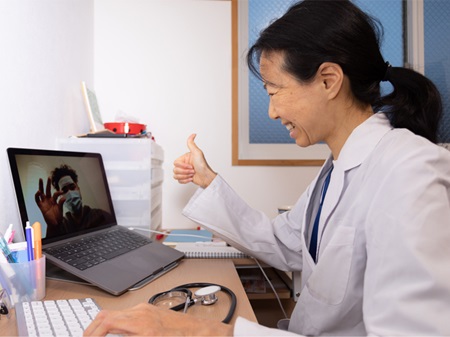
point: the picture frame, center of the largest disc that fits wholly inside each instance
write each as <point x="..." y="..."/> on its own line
<point x="92" y="108"/>
<point x="245" y="152"/>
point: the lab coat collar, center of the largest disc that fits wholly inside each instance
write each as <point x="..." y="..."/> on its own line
<point x="359" y="145"/>
<point x="362" y="141"/>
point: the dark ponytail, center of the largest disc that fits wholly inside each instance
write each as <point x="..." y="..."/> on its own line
<point x="414" y="104"/>
<point x="313" y="32"/>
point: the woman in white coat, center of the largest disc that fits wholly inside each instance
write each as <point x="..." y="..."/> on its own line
<point x="371" y="234"/>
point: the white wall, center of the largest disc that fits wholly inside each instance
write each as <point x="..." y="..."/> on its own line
<point x="167" y="62"/>
<point x="46" y="48"/>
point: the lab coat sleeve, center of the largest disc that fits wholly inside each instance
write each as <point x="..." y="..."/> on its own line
<point x="221" y="210"/>
<point x="244" y="327"/>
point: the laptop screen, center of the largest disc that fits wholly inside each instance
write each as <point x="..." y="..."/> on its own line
<point x="67" y="192"/>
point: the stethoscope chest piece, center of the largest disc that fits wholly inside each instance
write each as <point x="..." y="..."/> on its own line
<point x="172" y="299"/>
<point x="181" y="298"/>
<point x="208" y="294"/>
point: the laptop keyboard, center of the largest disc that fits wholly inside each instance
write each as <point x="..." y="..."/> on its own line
<point x="55" y="318"/>
<point x="90" y="251"/>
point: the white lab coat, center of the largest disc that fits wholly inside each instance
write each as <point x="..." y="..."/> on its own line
<point x="384" y="239"/>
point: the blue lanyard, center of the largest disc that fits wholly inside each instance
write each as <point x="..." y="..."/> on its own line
<point x="313" y="243"/>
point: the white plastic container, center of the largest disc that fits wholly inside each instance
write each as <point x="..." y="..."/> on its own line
<point x="135" y="176"/>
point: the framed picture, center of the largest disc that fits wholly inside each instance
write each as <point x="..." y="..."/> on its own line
<point x="92" y="108"/>
<point x="258" y="140"/>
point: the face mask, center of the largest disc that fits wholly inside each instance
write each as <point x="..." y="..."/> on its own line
<point x="73" y="201"/>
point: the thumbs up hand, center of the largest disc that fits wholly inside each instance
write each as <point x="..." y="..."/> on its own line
<point x="192" y="166"/>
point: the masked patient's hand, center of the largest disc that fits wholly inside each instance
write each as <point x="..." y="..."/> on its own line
<point x="193" y="167"/>
<point x="148" y="320"/>
<point x="50" y="206"/>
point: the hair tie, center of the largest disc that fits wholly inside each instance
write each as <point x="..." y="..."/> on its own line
<point x="386" y="72"/>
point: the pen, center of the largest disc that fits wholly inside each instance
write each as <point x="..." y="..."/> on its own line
<point x="5" y="250"/>
<point x="29" y="237"/>
<point x="37" y="240"/>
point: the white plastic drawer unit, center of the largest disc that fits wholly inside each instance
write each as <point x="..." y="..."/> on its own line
<point x="135" y="176"/>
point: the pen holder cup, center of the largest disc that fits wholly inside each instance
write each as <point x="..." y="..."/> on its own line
<point x="24" y="281"/>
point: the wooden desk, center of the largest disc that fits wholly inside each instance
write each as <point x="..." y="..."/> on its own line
<point x="220" y="271"/>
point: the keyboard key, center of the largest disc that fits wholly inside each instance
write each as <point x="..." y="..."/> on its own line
<point x="90" y="251"/>
<point x="55" y="318"/>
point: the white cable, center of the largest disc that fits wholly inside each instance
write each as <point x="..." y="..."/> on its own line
<point x="199" y="236"/>
<point x="166" y="233"/>
<point x="273" y="288"/>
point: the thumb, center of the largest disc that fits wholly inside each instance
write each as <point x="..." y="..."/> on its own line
<point x="191" y="144"/>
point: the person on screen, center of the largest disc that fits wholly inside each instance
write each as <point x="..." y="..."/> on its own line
<point x="68" y="195"/>
<point x="371" y="233"/>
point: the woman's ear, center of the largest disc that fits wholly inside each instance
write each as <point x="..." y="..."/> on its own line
<point x="332" y="77"/>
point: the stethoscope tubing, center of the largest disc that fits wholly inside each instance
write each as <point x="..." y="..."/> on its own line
<point x="184" y="288"/>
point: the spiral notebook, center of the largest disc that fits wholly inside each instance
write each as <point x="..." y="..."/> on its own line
<point x="195" y="250"/>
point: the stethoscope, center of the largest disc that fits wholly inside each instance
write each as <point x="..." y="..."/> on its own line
<point x="181" y="298"/>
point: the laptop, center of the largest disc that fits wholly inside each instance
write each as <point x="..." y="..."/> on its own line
<point x="68" y="193"/>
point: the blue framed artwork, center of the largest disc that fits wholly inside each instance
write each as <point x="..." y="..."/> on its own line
<point x="258" y="140"/>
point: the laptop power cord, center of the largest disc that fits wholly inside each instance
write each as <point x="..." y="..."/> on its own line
<point x="199" y="236"/>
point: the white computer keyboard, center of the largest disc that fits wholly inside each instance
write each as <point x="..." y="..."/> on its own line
<point x="55" y="318"/>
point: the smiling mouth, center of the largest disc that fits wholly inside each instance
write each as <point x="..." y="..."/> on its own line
<point x="289" y="127"/>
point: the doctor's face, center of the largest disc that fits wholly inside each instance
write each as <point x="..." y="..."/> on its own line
<point x="299" y="106"/>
